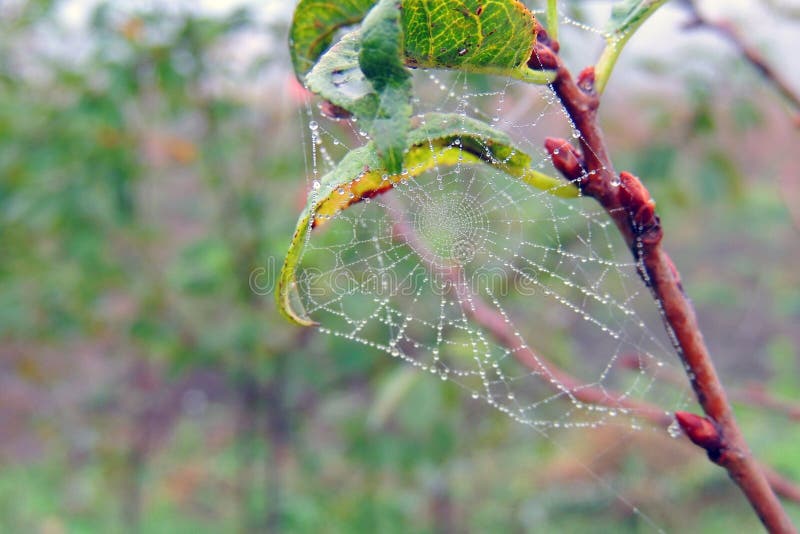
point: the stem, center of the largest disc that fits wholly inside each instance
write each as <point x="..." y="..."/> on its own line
<point x="629" y="204"/>
<point x="750" y="53"/>
<point x="617" y="40"/>
<point x="501" y="329"/>
<point x="608" y="59"/>
<point x="551" y="184"/>
<point x="552" y="19"/>
<point x="753" y="395"/>
<point x="756" y="395"/>
<point x="537" y="77"/>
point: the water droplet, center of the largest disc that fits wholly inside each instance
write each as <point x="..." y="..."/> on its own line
<point x="338" y="77"/>
<point x="674" y="429"/>
<point x="316" y="185"/>
<point x="614" y="181"/>
<point x="313" y="126"/>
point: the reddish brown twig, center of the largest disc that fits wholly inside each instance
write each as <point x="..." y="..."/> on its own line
<point x="628" y="202"/>
<point x="500" y="329"/>
<point x="729" y="32"/>
<point x="782" y="485"/>
<point x="753" y="394"/>
<point x="498" y="326"/>
<point x="756" y="395"/>
<point x="704" y="433"/>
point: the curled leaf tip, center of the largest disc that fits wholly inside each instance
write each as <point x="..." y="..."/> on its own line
<point x="438" y="140"/>
<point x="288" y="300"/>
<point x="314" y="25"/>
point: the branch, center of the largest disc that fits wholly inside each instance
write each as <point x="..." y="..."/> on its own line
<point x="729" y="32"/>
<point x="707" y="435"/>
<point x="782" y="486"/>
<point x="498" y="326"/>
<point x="754" y="395"/>
<point x="629" y="204"/>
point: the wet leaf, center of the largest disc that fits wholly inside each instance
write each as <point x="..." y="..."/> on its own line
<point x="437" y="140"/>
<point x="488" y="36"/>
<point x="337" y="77"/>
<point x="381" y="47"/>
<point x="314" y="25"/>
<point x="381" y="63"/>
<point x="627" y="15"/>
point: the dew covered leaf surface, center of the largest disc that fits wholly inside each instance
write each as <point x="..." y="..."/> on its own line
<point x="381" y="63"/>
<point x="626" y="15"/>
<point x="438" y="140"/>
<point x="314" y="25"/>
<point x="475" y="35"/>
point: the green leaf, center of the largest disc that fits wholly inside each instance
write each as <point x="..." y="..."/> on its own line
<point x="364" y="74"/>
<point x="628" y="15"/>
<point x="314" y="25"/>
<point x="494" y="37"/>
<point x="485" y="36"/>
<point x="438" y="140"/>
<point x="381" y="63"/>
<point x="381" y="46"/>
<point x="337" y="77"/>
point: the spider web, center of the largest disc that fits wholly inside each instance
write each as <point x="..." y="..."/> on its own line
<point x="523" y="298"/>
<point x="409" y="271"/>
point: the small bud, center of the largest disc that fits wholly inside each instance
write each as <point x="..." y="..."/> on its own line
<point x="701" y="430"/>
<point x="636" y="200"/>
<point x="566" y="158"/>
<point x="632" y="194"/>
<point x="586" y="79"/>
<point x="543" y="58"/>
<point x="543" y="37"/>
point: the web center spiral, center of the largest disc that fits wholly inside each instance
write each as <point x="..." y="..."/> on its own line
<point x="452" y="227"/>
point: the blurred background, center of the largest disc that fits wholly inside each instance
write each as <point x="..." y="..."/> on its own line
<point x="152" y="167"/>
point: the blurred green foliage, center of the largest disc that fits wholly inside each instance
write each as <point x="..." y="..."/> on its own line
<point x="144" y="385"/>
